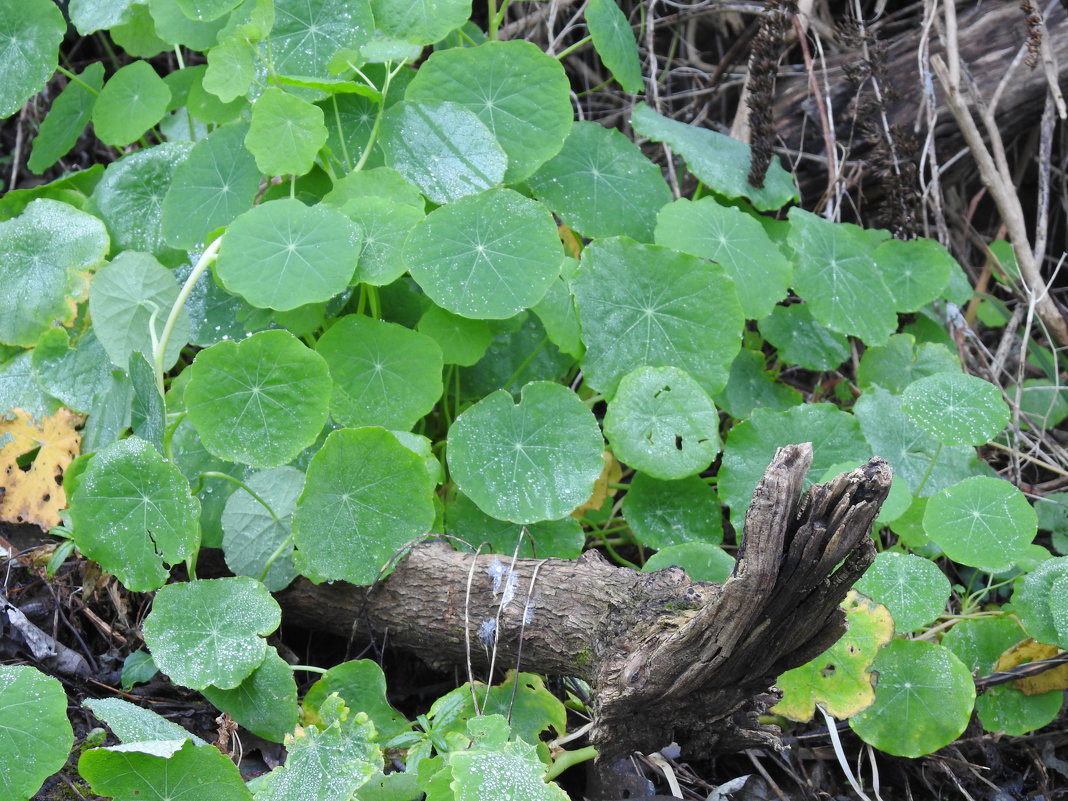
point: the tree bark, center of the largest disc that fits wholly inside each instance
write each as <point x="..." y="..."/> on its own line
<point x="668" y="658"/>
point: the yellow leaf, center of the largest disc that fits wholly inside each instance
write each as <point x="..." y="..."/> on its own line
<point x="610" y="474"/>
<point x="1031" y="651"/>
<point x="33" y="492"/>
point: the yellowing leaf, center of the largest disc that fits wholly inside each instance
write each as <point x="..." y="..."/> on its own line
<point x="1031" y="651"/>
<point x="611" y="474"/>
<point x="33" y="493"/>
<point x="840" y="678"/>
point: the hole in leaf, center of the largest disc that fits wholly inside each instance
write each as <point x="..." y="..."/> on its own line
<point x="678" y="442"/>
<point x="25" y="461"/>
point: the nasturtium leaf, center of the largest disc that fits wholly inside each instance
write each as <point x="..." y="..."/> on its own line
<point x="463" y="341"/>
<point x="217" y="182"/>
<point x="365" y="495"/>
<point x="361" y="684"/>
<point x="508" y="770"/>
<point x="29" y="49"/>
<point x="488" y="256"/>
<point x="132" y="512"/>
<point x="207" y="107"/>
<point x="717" y="160"/>
<point x="230" y="70"/>
<point x="36" y="736"/>
<point x="259" y="402"/>
<point x="286" y="133"/>
<point x="662" y="423"/>
<point x="420" y="21"/>
<point x="601" y="184"/>
<point x="423" y="448"/>
<point x="1043" y="403"/>
<point x="73" y="375"/>
<point x="1032" y="601"/>
<point x="751" y="386"/>
<point x="519" y="353"/>
<point x="915" y="272"/>
<point x="90" y="16"/>
<point x="383" y="374"/>
<point x="211" y="631"/>
<point x="520" y="92"/>
<point x="48" y="251"/>
<point x="70" y="113"/>
<point x="702" y="561"/>
<point x="751" y="444"/>
<point x="132" y="723"/>
<point x="901" y="361"/>
<point x="642" y="305"/>
<point x="162" y="770"/>
<point x="1052" y="513"/>
<point x="526" y="462"/>
<point x="800" y="339"/>
<point x="385" y="225"/>
<point x="956" y="408"/>
<point x="839" y="679"/>
<point x="306" y="35"/>
<point x="129" y="300"/>
<point x="558" y="315"/>
<point x="979" y="643"/>
<point x="72" y="188"/>
<point x="147" y="413"/>
<point x="20" y="387"/>
<point x="916" y="457"/>
<point x="560" y="538"/>
<point x="615" y="44"/>
<point x="252" y="535"/>
<point x="923" y="699"/>
<point x="666" y="513"/>
<point x="736" y="240"/>
<point x="441" y="147"/>
<point x="133" y="100"/>
<point x="982" y="522"/>
<point x="837" y="276"/>
<point x="175" y="28"/>
<point x="283" y="254"/>
<point x="137" y="34"/>
<point x="380" y="182"/>
<point x="206" y="9"/>
<point x="265" y="702"/>
<point x="129" y="198"/>
<point x="911" y="587"/>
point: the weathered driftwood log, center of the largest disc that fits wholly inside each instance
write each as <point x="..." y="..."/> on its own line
<point x="668" y="658"/>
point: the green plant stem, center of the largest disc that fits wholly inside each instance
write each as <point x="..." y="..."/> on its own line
<point x="930" y="467"/>
<point x="244" y="486"/>
<point x="75" y="79"/>
<point x="203" y="263"/>
<point x="373" y="136"/>
<point x="603" y="540"/>
<point x="526" y="361"/>
<point x="491" y="15"/>
<point x="178" y="56"/>
<point x="569" y="759"/>
<point x="345" y="160"/>
<point x="308" y="669"/>
<point x="277" y="552"/>
<point x="567" y="51"/>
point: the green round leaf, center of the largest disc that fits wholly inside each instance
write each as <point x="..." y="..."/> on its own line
<point x="911" y="587"/>
<point x="70" y="113"/>
<point x="206" y="9"/>
<point x="211" y="631"/>
<point x="535" y="460"/>
<point x="923" y="699"/>
<point x="132" y="512"/>
<point x="252" y="535"/>
<point x="217" y="182"/>
<point x="955" y="408"/>
<point x="518" y="354"/>
<point x="662" y="423"/>
<point x="601" y="184"/>
<point x="463" y="341"/>
<point x="361" y="684"/>
<point x="151" y="770"/>
<point x="129" y="300"/>
<point x="265" y="703"/>
<point x="132" y="723"/>
<point x="519" y="92"/>
<point x="48" y="250"/>
<point x="443" y="148"/>
<point x="308" y="33"/>
<point x="1035" y="604"/>
<point x="364" y="497"/>
<point x="133" y="100"/>
<point x="175" y="28"/>
<point x="915" y="271"/>
<point x="702" y="561"/>
<point x="419" y="21"/>
<point x="666" y="513"/>
<point x="901" y="361"/>
<point x="488" y="256"/>
<point x="642" y="305"/>
<point x="283" y="254"/>
<point x="385" y="225"/>
<point x="384" y="374"/>
<point x="259" y="402"/>
<point x="982" y="521"/>
<point x="129" y="198"/>
<point x="29" y="48"/>
<point x="286" y="133"/>
<point x="36" y="736"/>
<point x="801" y="340"/>
<point x="736" y="240"/>
<point x="614" y="40"/>
<point x="560" y="538"/>
<point x="751" y="386"/>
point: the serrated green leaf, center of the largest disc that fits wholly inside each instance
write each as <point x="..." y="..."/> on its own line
<point x="286" y="133"/>
<point x="265" y="702"/>
<point x="133" y="100"/>
<point x="956" y="408"/>
<point x="666" y="513"/>
<point x="36" y="737"/>
<point x="261" y="401"/>
<point x="511" y="770"/>
<point x="283" y="254"/>
<point x="70" y="113"/>
<point x="364" y="497"/>
<point x="602" y="185"/>
<point x="911" y="587"/>
<point x="643" y="305"/>
<point x="48" y="250"/>
<point x="29" y="49"/>
<point x="519" y="92"/>
<point x="615" y="44"/>
<point x="441" y="147"/>
<point x="132" y="512"/>
<point x="252" y="535"/>
<point x="361" y="684"/>
<point x="526" y="462"/>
